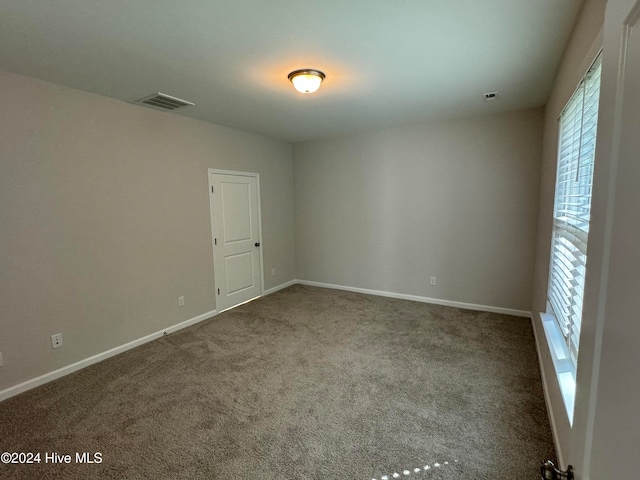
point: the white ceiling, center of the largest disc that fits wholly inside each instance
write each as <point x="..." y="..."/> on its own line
<point x="388" y="62"/>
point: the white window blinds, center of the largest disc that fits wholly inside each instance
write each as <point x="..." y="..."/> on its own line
<point x="572" y="206"/>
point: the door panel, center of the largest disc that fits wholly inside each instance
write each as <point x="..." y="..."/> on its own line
<point x="235" y="221"/>
<point x="239" y="270"/>
<point x="236" y="211"/>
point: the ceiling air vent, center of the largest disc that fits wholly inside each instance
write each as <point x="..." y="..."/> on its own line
<point x="490" y="97"/>
<point x="161" y="101"/>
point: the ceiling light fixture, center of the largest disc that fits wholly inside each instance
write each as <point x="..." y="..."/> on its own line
<point x="306" y="80"/>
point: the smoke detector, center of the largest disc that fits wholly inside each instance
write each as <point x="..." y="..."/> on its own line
<point x="162" y="101"/>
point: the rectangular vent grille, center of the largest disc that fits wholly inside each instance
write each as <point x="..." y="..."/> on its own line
<point x="490" y="97"/>
<point x="165" y="102"/>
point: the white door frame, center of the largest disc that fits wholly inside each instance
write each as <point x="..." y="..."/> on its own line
<point x="602" y="404"/>
<point x="214" y="234"/>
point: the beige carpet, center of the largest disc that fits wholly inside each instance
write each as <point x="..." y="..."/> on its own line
<point x="306" y="383"/>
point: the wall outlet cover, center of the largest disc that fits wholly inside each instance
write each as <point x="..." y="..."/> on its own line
<point x="56" y="340"/>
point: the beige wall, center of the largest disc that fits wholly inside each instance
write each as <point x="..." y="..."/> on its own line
<point x="455" y="199"/>
<point x="580" y="53"/>
<point x="105" y="220"/>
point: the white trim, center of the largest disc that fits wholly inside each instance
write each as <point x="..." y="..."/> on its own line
<point x="217" y="171"/>
<point x="279" y="287"/>
<point x="560" y="356"/>
<point x="416" y="298"/>
<point x="260" y="233"/>
<point x="613" y="15"/>
<point x="61" y="372"/>
<point x="74" y="367"/>
<point x="547" y="397"/>
<point x="48" y="377"/>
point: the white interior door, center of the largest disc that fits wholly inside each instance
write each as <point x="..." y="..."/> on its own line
<point x="235" y="225"/>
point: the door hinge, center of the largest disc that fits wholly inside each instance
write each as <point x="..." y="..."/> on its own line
<point x="218" y="291"/>
<point x="215" y="241"/>
<point x="211" y="189"/>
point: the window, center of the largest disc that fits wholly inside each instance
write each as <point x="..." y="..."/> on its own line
<point x="572" y="207"/>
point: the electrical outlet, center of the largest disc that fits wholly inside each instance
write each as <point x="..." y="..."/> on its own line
<point x="56" y="340"/>
<point x="181" y="301"/>
<point x="433" y="280"/>
<point x="273" y="272"/>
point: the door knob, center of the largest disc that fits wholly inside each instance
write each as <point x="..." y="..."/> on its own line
<point x="257" y="244"/>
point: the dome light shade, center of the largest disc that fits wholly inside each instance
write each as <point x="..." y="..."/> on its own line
<point x="307" y="80"/>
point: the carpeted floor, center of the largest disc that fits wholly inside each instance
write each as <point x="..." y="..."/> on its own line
<point x="306" y="383"/>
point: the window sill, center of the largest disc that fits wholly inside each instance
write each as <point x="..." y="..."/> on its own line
<point x="565" y="370"/>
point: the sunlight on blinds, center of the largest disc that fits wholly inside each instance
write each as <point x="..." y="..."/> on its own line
<point x="572" y="207"/>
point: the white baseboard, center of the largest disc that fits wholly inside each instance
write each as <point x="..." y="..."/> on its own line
<point x="279" y="287"/>
<point x="415" y="298"/>
<point x="61" y="372"/>
<point x="547" y="398"/>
